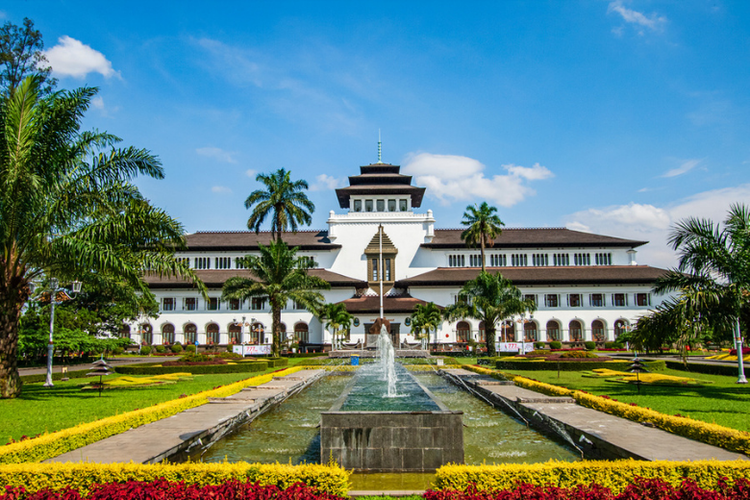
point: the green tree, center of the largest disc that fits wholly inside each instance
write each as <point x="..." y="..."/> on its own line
<point x="68" y="208"/>
<point x="280" y="275"/>
<point x="337" y="319"/>
<point x="483" y="227"/>
<point x="489" y="298"/>
<point x="283" y="199"/>
<point x="715" y="260"/>
<point x="21" y="56"/>
<point x="425" y="318"/>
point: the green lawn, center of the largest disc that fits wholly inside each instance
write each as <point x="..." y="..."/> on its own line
<point x="40" y="409"/>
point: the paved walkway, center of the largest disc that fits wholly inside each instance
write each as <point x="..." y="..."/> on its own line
<point x="594" y="431"/>
<point x="198" y="426"/>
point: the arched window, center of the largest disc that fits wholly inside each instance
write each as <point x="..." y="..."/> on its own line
<point x="576" y="331"/>
<point x="553" y="331"/>
<point x="620" y="327"/>
<point x="301" y="332"/>
<point x="212" y="333"/>
<point x="529" y="332"/>
<point x="167" y="333"/>
<point x="463" y="330"/>
<point x="235" y="332"/>
<point x="125" y="331"/>
<point x="482" y="332"/>
<point x="191" y="333"/>
<point x="147" y="334"/>
<point x="258" y="331"/>
<point x="508" y="331"/>
<point x="597" y="331"/>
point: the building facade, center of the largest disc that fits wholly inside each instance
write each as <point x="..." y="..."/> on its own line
<point x="586" y="286"/>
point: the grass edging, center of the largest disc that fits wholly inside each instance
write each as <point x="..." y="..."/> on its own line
<point x="713" y="434"/>
<point x="57" y="443"/>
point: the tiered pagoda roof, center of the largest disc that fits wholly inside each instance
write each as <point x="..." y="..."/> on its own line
<point x="380" y="179"/>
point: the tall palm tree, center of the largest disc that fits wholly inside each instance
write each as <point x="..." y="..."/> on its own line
<point x="68" y="208"/>
<point x="425" y="318"/>
<point x="489" y="298"/>
<point x="337" y="318"/>
<point x="715" y="259"/>
<point x="284" y="200"/>
<point x="483" y="227"/>
<point x="281" y="276"/>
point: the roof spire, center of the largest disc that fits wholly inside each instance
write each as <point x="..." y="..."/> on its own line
<point x="380" y="149"/>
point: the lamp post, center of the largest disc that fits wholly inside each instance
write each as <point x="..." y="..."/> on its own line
<point x="55" y="287"/>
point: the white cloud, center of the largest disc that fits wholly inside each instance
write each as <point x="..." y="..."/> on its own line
<point x="654" y="22"/>
<point x="325" y="182"/>
<point x="98" y="102"/>
<point x="653" y="224"/>
<point x="682" y="169"/>
<point x="452" y="178"/>
<point x="220" y="189"/>
<point x="251" y="173"/>
<point x="217" y="154"/>
<point x="73" y="58"/>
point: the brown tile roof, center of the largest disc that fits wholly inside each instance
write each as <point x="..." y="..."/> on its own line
<point x="534" y="238"/>
<point x="249" y="240"/>
<point x="371" y="304"/>
<point x="457" y="276"/>
<point x="215" y="278"/>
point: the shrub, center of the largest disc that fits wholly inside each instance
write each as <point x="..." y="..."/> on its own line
<point x="539" y="345"/>
<point x="146" y="350"/>
<point x="228" y="355"/>
<point x="579" y="354"/>
<point x="555" y="345"/>
<point x="590" y="346"/>
<point x="160" y="349"/>
<point x="117" y="351"/>
<point x="191" y="348"/>
<point x="176" y="348"/>
<point x="610" y="345"/>
<point x="194" y="358"/>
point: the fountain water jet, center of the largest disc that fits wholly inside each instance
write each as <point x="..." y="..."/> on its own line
<point x="387" y="361"/>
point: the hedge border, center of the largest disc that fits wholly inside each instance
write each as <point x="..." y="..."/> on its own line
<point x="57" y="443"/>
<point x="615" y="475"/>
<point x="81" y="476"/>
<point x="708" y="369"/>
<point x="242" y="367"/>
<point x="567" y="366"/>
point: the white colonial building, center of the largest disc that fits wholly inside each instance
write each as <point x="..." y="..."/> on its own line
<point x="586" y="286"/>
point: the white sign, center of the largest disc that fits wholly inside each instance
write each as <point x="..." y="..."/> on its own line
<point x="522" y="347"/>
<point x="252" y="350"/>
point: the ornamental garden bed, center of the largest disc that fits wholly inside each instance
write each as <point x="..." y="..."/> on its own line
<point x="571" y="364"/>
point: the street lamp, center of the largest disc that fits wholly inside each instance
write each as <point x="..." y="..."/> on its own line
<point x="55" y="286"/>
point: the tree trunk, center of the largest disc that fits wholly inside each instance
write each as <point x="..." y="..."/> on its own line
<point x="275" y="325"/>
<point x="490" y="332"/>
<point x="482" y="246"/>
<point x="10" y="315"/>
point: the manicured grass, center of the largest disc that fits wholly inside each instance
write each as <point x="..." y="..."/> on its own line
<point x="723" y="402"/>
<point x="40" y="409"/>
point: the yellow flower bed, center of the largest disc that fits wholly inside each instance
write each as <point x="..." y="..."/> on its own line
<point x="81" y="476"/>
<point x="646" y="378"/>
<point x="615" y="475"/>
<point x="728" y="357"/>
<point x="129" y="381"/>
<point x="57" y="443"/>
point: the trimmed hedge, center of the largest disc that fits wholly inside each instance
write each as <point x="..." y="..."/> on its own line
<point x="242" y="367"/>
<point x="615" y="475"/>
<point x="275" y="362"/>
<point x="82" y="476"/>
<point x="709" y="369"/>
<point x="57" y="443"/>
<point x="577" y="365"/>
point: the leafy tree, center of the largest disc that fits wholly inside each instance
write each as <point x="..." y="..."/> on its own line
<point x="489" y="298"/>
<point x="281" y="276"/>
<point x="21" y="56"/>
<point x="68" y="208"/>
<point x="337" y="318"/>
<point x="483" y="227"/>
<point x="283" y="200"/>
<point x="426" y="317"/>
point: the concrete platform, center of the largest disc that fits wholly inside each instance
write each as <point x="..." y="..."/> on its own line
<point x="198" y="426"/>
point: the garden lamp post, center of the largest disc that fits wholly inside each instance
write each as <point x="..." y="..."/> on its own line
<point x="55" y="288"/>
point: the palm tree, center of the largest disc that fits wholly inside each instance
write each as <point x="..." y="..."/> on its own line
<point x="483" y="226"/>
<point x="489" y="298"/>
<point x="68" y="208"/>
<point x="281" y="276"/>
<point x="337" y="318"/>
<point x="715" y="259"/>
<point x="282" y="198"/>
<point x="426" y="317"/>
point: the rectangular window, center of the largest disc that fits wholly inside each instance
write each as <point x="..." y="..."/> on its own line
<point x="475" y="260"/>
<point x="456" y="261"/>
<point x="387" y="263"/>
<point x="191" y="304"/>
<point x="498" y="261"/>
<point x="540" y="259"/>
<point x="391" y="205"/>
<point x="582" y="259"/>
<point x="551" y="300"/>
<point x="603" y="259"/>
<point x="596" y="300"/>
<point x="374" y="269"/>
<point x="643" y="299"/>
<point x="203" y="263"/>
<point x="357" y="205"/>
<point x="381" y="205"/>
<point x="368" y="205"/>
<point x="574" y="300"/>
<point x="530" y="297"/>
<point x="167" y="304"/>
<point x="561" y="259"/>
<point x="258" y="303"/>
<point x="519" y="260"/>
<point x="223" y="262"/>
<point x="619" y="299"/>
<point x="402" y="205"/>
<point x="212" y="304"/>
<point x="234" y="304"/>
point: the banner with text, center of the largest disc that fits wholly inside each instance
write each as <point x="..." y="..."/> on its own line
<point x="252" y="350"/>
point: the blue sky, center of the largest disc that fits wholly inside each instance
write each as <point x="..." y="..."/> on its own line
<point x="617" y="117"/>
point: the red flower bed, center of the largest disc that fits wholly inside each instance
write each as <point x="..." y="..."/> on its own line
<point x="165" y="490"/>
<point x="642" y="489"/>
<point x="745" y="351"/>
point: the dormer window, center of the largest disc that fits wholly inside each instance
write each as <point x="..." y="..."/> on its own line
<point x="391" y="205"/>
<point x="357" y="205"/>
<point x="402" y="205"/>
<point x="368" y="205"/>
<point x="381" y="205"/>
